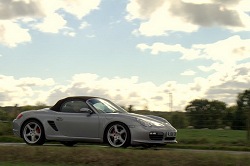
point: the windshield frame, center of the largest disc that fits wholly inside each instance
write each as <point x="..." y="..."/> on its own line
<point x="107" y="106"/>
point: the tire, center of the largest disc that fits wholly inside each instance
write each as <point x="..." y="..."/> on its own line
<point x="68" y="143"/>
<point x="33" y="133"/>
<point x="118" y="135"/>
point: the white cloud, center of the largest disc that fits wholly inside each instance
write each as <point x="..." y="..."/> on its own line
<point x="52" y="23"/>
<point x="23" y="91"/>
<point x="68" y="31"/>
<point x="157" y="48"/>
<point x="188" y="73"/>
<point x="187" y="15"/>
<point x="198" y="1"/>
<point x="223" y="86"/>
<point x="227" y="51"/>
<point x="72" y="34"/>
<point x="159" y="15"/>
<point x="14" y="9"/>
<point x="84" y="25"/>
<point x="232" y="49"/>
<point x="40" y="15"/>
<point x="124" y="91"/>
<point x="11" y="34"/>
<point x="226" y="84"/>
<point x="244" y="5"/>
<point x="214" y="67"/>
<point x="80" y="8"/>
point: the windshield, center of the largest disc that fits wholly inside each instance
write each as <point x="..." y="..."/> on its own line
<point x="105" y="106"/>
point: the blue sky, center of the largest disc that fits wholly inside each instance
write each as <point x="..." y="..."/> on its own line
<point x="133" y="52"/>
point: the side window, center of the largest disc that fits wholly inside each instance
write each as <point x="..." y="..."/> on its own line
<point x="73" y="106"/>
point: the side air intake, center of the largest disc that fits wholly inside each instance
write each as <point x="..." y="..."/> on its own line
<point x="53" y="125"/>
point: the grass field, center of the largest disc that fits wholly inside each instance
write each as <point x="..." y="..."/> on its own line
<point x="206" y="136"/>
<point x="93" y="155"/>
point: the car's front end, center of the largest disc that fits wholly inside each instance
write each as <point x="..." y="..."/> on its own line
<point x="151" y="131"/>
<point x="146" y="129"/>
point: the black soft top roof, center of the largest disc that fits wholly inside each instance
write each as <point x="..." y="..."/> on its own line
<point x="57" y="106"/>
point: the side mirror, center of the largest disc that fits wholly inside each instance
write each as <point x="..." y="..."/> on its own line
<point x="86" y="110"/>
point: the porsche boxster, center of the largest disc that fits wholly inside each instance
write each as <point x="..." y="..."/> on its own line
<point x="92" y="119"/>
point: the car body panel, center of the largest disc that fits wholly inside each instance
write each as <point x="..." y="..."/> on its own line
<point x="77" y="124"/>
<point x="90" y="127"/>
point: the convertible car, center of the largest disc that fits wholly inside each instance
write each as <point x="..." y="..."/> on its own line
<point x="92" y="119"/>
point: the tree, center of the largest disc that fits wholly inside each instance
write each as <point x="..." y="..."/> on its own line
<point x="130" y="108"/>
<point x="228" y="116"/>
<point x="240" y="116"/>
<point x="179" y="120"/>
<point x="206" y="114"/>
<point x="216" y="111"/>
<point x="243" y="112"/>
<point x="197" y="112"/>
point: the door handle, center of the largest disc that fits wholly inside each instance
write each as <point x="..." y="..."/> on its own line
<point x="59" y="119"/>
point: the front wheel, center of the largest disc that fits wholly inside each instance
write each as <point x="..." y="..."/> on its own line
<point x="33" y="133"/>
<point x="118" y="135"/>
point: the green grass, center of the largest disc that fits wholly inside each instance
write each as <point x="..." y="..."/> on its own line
<point x="217" y="137"/>
<point x="93" y="155"/>
<point x="10" y="138"/>
<point x="211" y="139"/>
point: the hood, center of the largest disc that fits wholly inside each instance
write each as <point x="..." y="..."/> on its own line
<point x="156" y="121"/>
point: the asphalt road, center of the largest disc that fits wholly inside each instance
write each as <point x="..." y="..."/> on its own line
<point x="169" y="149"/>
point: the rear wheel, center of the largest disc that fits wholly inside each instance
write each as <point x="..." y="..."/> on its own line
<point x="118" y="135"/>
<point x="33" y="133"/>
<point x="68" y="143"/>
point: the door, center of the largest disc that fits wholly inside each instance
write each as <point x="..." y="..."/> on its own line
<point x="73" y="122"/>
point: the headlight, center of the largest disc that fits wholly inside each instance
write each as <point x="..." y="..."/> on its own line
<point x="145" y="123"/>
<point x="168" y="123"/>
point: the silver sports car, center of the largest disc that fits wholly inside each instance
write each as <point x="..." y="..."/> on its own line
<point x="92" y="119"/>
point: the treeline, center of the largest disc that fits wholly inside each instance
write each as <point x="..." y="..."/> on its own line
<point x="203" y="113"/>
<point x="211" y="114"/>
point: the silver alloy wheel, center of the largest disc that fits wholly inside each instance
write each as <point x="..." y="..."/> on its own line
<point x="32" y="132"/>
<point x="117" y="135"/>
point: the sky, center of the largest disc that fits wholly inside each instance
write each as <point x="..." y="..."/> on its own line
<point x="144" y="53"/>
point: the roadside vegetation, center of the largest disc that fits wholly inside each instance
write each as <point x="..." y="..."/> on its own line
<point x="55" y="155"/>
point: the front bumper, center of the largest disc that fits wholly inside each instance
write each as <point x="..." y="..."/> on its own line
<point x="152" y="135"/>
